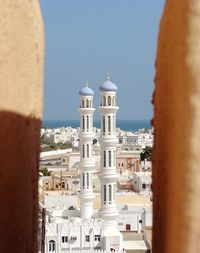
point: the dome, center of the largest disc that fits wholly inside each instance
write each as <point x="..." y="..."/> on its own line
<point x="86" y="91"/>
<point x="108" y="86"/>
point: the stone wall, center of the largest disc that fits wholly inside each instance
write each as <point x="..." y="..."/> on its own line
<point x="21" y="80"/>
<point x="176" y="178"/>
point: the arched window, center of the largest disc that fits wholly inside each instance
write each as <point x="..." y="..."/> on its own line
<point x="83" y="123"/>
<point x="110" y="193"/>
<point x="87" y="122"/>
<point x="104" y="195"/>
<point x="83" y="180"/>
<point x="52" y="246"/>
<point x="88" y="151"/>
<point x="104" y="125"/>
<point x="109" y="100"/>
<point x="83" y="103"/>
<point x="104" y="158"/>
<point x="109" y="124"/>
<point x="83" y="151"/>
<point x="109" y="158"/>
<point x="104" y="101"/>
<point x="87" y="103"/>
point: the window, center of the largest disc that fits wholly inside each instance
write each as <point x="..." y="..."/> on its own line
<point x="104" y="101"/>
<point x="97" y="238"/>
<point x="109" y="158"/>
<point x="109" y="124"/>
<point x="88" y="151"/>
<point x="83" y="123"/>
<point x="64" y="239"/>
<point x="104" y="126"/>
<point x="63" y="185"/>
<point x="83" y="151"/>
<point x="87" y="179"/>
<point x="87" y="238"/>
<point x="143" y="186"/>
<point x="83" y="103"/>
<point x="87" y="122"/>
<point x="104" y="158"/>
<point x="110" y="193"/>
<point x="128" y="227"/>
<point x="109" y="100"/>
<point x="52" y="246"/>
<point x="104" y="193"/>
<point x="87" y="103"/>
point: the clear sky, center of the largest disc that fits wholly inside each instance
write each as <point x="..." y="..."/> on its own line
<point x="86" y="39"/>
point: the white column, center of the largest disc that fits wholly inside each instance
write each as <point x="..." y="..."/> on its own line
<point x="108" y="176"/>
<point x="86" y="160"/>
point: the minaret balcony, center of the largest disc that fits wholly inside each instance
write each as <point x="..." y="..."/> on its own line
<point x="108" y="176"/>
<point x="108" y="109"/>
<point x="86" y="110"/>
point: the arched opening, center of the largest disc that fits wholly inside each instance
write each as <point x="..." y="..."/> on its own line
<point x="52" y="246"/>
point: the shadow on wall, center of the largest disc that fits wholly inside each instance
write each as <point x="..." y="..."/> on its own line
<point x="19" y="159"/>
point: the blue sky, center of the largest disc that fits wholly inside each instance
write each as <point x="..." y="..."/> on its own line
<point x="86" y="39"/>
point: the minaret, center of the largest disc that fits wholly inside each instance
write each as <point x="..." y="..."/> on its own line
<point x="86" y="151"/>
<point x="112" y="238"/>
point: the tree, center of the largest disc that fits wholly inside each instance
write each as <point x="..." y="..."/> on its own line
<point x="45" y="171"/>
<point x="146" y="153"/>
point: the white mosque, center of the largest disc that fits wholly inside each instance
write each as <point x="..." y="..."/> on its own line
<point x="111" y="238"/>
<point x="89" y="230"/>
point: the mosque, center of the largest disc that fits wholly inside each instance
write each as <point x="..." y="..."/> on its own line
<point x="89" y="230"/>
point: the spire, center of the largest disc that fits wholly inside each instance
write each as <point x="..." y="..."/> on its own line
<point x="108" y="76"/>
<point x="86" y="84"/>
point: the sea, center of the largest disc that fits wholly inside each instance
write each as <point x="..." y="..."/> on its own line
<point x="126" y="125"/>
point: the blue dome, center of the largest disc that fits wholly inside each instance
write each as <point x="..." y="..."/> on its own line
<point x="86" y="91"/>
<point x="108" y="86"/>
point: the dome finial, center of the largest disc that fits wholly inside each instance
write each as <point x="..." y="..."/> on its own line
<point x="108" y="76"/>
<point x="86" y="83"/>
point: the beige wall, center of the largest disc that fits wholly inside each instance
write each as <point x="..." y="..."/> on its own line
<point x="176" y="178"/>
<point x="21" y="79"/>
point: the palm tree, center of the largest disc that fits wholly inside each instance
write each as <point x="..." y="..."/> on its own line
<point x="146" y="153"/>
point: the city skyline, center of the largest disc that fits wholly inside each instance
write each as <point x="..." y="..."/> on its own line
<point x="86" y="41"/>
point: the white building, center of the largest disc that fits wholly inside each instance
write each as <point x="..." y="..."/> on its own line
<point x="142" y="181"/>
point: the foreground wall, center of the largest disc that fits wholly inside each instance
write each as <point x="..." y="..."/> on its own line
<point x="176" y="167"/>
<point x="21" y="78"/>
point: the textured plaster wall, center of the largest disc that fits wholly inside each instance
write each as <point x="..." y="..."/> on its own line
<point x="176" y="164"/>
<point x="21" y="79"/>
